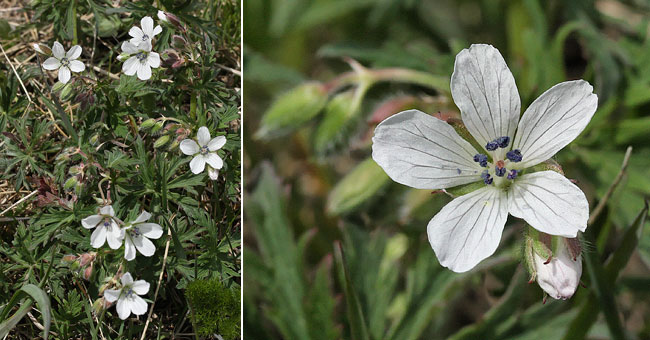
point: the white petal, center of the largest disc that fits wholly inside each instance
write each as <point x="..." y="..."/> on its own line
<point x="550" y="203"/>
<point x="150" y="230"/>
<point x="114" y="236"/>
<point x="129" y="47"/>
<point x="140" y="287"/>
<point x="51" y="63"/>
<point x="123" y="308"/>
<point x="213" y="173"/>
<point x="137" y="35"/>
<point x="57" y="50"/>
<point x="107" y="210"/>
<point x="216" y="143"/>
<point x="153" y="60"/>
<point x="145" y="46"/>
<point x="98" y="237"/>
<point x="485" y="91"/>
<point x="126" y="279"/>
<point x="423" y="152"/>
<point x="560" y="277"/>
<point x="64" y="74"/>
<point x="91" y="221"/>
<point x="197" y="164"/>
<point x="162" y="16"/>
<point x="189" y="147"/>
<point x="144" y="72"/>
<point x="129" y="249"/>
<point x="111" y="295"/>
<point x="144" y="246"/>
<point x="468" y="229"/>
<point x="74" y="52"/>
<point x="130" y="66"/>
<point x="213" y="160"/>
<point x="144" y="215"/>
<point x="156" y="30"/>
<point x="203" y="136"/>
<point x="77" y="66"/>
<point x="147" y="26"/>
<point x="138" y="305"/>
<point x="554" y="120"/>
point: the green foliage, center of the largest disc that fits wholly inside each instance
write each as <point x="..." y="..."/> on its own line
<point x="215" y="308"/>
<point x="108" y="138"/>
<point x="317" y="199"/>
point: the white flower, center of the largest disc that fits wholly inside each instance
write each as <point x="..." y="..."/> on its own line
<point x="140" y="59"/>
<point x="560" y="276"/>
<point x="136" y="235"/>
<point x="127" y="297"/>
<point x="204" y="151"/>
<point x="423" y="152"/>
<point x="147" y="32"/>
<point x="162" y="16"/>
<point x="64" y="62"/>
<point x="108" y="229"/>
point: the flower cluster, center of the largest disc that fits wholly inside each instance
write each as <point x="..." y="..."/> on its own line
<point x="420" y="151"/>
<point x="137" y="52"/>
<point x="135" y="235"/>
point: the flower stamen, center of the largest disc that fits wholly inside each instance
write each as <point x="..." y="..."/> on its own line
<point x="514" y="155"/>
<point x="481" y="159"/>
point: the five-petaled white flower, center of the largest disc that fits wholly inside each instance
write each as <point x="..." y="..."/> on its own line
<point x="136" y="235"/>
<point x="127" y="297"/>
<point x="146" y="33"/>
<point x="107" y="228"/>
<point x="64" y="62"/>
<point x="140" y="59"/>
<point x="423" y="152"/>
<point x="204" y="151"/>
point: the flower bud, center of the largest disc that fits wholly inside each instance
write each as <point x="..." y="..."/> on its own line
<point x="157" y="127"/>
<point x="178" y="42"/>
<point x="42" y="49"/>
<point x="86" y="258"/>
<point x="213" y="173"/>
<point x="101" y="304"/>
<point x="147" y="124"/>
<point x="161" y="141"/>
<point x="555" y="263"/>
<point x="69" y="258"/>
<point x="70" y="183"/>
<point x="88" y="272"/>
<point x="170" y="18"/>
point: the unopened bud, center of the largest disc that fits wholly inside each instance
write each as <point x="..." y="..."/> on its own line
<point x="86" y="258"/>
<point x="88" y="272"/>
<point x="178" y="42"/>
<point x="70" y="183"/>
<point x="148" y="124"/>
<point x="170" y="18"/>
<point x="555" y="262"/>
<point x="213" y="173"/>
<point x="42" y="49"/>
<point x="69" y="258"/>
<point x="100" y="305"/>
<point x="157" y="127"/>
<point x="161" y="141"/>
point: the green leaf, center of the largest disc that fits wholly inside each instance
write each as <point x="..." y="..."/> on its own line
<point x="43" y="303"/>
<point x="356" y="319"/>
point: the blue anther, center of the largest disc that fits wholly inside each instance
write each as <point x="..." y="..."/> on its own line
<point x="513" y="174"/>
<point x="503" y="141"/>
<point x="514" y="155"/>
<point x="481" y="159"/>
<point x="491" y="146"/>
<point x="487" y="179"/>
<point x="499" y="171"/>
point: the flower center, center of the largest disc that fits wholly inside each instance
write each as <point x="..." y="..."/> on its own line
<point x="204" y="150"/>
<point x="107" y="223"/>
<point x="142" y="56"/>
<point x="135" y="232"/>
<point x="500" y="165"/>
<point x="65" y="62"/>
<point x="128" y="292"/>
<point x="145" y="37"/>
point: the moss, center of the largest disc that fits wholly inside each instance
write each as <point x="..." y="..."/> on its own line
<point x="215" y="308"/>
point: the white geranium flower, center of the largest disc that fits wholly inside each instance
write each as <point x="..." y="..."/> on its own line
<point x="136" y="235"/>
<point x="204" y="152"/>
<point x="423" y="152"/>
<point x="127" y="297"/>
<point x="107" y="228"/>
<point x="65" y="62"/>
<point x="140" y="59"/>
<point x="146" y="33"/>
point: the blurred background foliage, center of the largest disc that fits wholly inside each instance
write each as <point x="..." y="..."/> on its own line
<point x="335" y="249"/>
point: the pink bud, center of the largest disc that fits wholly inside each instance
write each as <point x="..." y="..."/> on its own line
<point x="88" y="272"/>
<point x="86" y="258"/>
<point x="560" y="276"/>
